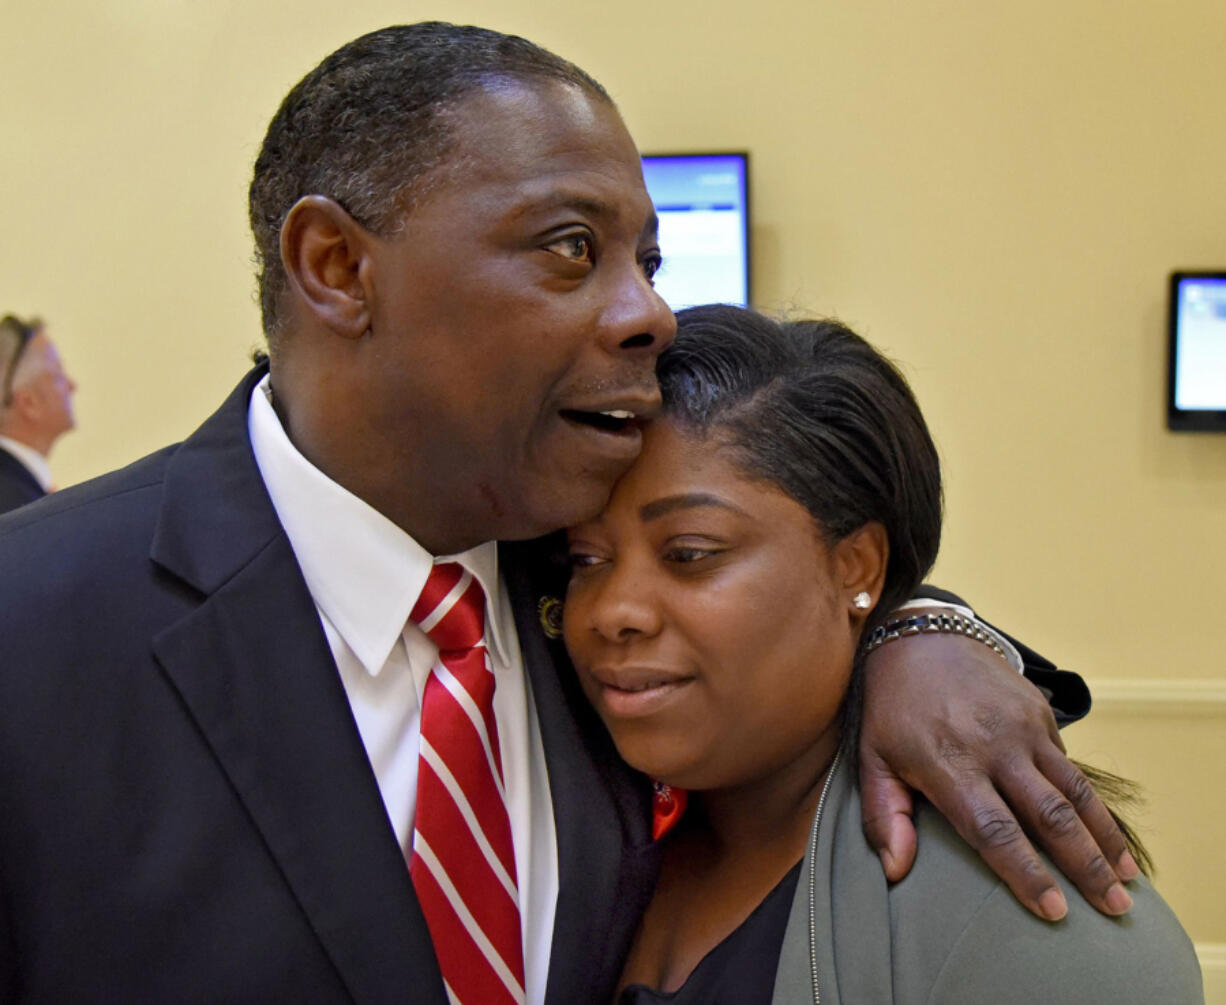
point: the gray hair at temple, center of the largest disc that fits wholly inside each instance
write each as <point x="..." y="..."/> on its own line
<point x="15" y="335"/>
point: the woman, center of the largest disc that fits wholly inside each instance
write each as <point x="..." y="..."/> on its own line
<point x="787" y="499"/>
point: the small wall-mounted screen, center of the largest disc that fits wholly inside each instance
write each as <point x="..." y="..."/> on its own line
<point x="703" y="204"/>
<point x="1196" y="381"/>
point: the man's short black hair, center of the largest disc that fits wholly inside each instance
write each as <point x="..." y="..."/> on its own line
<point x="364" y="127"/>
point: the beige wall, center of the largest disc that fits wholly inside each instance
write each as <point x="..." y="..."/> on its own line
<point x="994" y="192"/>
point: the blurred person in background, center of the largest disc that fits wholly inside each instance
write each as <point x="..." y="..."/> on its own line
<point x="35" y="409"/>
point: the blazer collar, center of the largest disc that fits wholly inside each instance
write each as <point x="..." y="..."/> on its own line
<point x="254" y="669"/>
<point x="215" y="513"/>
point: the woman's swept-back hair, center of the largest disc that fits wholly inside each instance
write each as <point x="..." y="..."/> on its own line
<point x="811" y="407"/>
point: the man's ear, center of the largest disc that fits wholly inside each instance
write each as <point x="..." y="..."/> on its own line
<point x="861" y="559"/>
<point x="324" y="250"/>
<point x="24" y="403"/>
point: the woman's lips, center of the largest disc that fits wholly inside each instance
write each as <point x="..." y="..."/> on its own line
<point x="633" y="693"/>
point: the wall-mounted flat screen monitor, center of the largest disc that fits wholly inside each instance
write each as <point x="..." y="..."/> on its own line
<point x="703" y="204"/>
<point x="1196" y="374"/>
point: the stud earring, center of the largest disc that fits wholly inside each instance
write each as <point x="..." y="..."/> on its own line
<point x="862" y="600"/>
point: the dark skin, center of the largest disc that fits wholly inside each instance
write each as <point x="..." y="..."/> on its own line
<point x="525" y="278"/>
<point x="713" y="627"/>
<point x="455" y="351"/>
<point x="980" y="766"/>
<point x="716" y="642"/>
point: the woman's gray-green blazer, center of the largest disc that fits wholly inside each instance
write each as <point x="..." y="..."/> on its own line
<point x="952" y="933"/>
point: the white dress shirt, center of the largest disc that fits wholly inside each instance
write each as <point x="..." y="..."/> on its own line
<point x="365" y="574"/>
<point x="31" y="460"/>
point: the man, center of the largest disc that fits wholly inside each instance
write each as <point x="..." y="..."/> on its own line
<point x="221" y="705"/>
<point x="35" y="410"/>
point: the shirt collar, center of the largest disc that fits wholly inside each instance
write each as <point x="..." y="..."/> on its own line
<point x="31" y="460"/>
<point x="363" y="571"/>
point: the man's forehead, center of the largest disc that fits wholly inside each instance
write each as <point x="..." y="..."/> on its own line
<point x="613" y="207"/>
<point x="549" y="145"/>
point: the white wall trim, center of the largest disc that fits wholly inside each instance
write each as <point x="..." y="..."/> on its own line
<point x="1153" y="694"/>
<point x="1212" y="956"/>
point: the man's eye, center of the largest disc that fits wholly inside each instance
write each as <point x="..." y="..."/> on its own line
<point x="581" y="560"/>
<point x="651" y="266"/>
<point x="573" y="247"/>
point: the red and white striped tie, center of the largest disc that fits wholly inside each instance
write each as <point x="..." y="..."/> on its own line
<point x="463" y="862"/>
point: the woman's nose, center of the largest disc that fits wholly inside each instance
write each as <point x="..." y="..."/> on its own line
<point x="624" y="607"/>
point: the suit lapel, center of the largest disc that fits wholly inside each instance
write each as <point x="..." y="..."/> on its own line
<point x="606" y="861"/>
<point x="254" y="669"/>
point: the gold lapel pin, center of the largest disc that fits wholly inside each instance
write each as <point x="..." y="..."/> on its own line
<point x="549" y="610"/>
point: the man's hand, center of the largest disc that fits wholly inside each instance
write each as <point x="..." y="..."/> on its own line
<point x="945" y="715"/>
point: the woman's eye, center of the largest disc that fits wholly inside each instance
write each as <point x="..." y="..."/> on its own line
<point x="573" y="247"/>
<point x="581" y="560"/>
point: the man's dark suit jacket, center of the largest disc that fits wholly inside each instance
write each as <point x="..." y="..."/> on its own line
<point x="186" y="809"/>
<point x="187" y="813"/>
<point x="17" y="485"/>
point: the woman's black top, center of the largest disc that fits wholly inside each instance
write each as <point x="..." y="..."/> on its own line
<point x="741" y="969"/>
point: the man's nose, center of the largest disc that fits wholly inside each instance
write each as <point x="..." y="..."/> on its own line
<point x="639" y="321"/>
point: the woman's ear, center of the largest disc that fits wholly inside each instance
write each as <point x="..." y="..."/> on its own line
<point x="323" y="249"/>
<point x="860" y="560"/>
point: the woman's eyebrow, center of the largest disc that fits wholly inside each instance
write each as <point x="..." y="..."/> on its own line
<point x="688" y="500"/>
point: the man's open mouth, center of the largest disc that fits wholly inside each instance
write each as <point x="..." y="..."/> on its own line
<point x="615" y="420"/>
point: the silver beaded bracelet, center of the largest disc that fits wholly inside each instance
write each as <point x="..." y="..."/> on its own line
<point x="917" y="623"/>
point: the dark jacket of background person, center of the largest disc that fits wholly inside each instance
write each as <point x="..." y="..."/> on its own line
<point x="17" y="485"/>
<point x="951" y="932"/>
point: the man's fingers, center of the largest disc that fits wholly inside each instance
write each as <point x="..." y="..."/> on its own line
<point x="980" y="815"/>
<point x="1056" y="822"/>
<point x="1092" y="811"/>
<point x="887" y="817"/>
